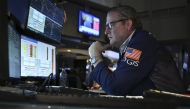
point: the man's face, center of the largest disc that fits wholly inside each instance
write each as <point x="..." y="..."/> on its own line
<point x="87" y="18"/>
<point x="118" y="32"/>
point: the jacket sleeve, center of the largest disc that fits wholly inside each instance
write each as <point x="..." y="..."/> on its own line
<point x="128" y="72"/>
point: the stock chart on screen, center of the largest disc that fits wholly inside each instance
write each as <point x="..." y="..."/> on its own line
<point x="46" y="19"/>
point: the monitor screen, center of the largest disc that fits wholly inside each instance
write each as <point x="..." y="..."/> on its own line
<point x="88" y="24"/>
<point x="19" y="8"/>
<point x="14" y="52"/>
<point x="185" y="60"/>
<point x="37" y="58"/>
<point x="45" y="19"/>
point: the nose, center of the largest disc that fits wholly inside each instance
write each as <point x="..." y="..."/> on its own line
<point x="107" y="31"/>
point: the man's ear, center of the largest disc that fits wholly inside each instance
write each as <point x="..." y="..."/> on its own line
<point x="129" y="24"/>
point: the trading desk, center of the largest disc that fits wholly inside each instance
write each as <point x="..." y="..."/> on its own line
<point x="46" y="100"/>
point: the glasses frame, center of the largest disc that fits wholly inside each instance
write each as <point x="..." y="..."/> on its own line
<point x="111" y="24"/>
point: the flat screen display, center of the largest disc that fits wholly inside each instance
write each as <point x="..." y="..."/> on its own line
<point x="185" y="60"/>
<point x="88" y="24"/>
<point x="14" y="52"/>
<point x="45" y="19"/>
<point x="19" y="8"/>
<point x="37" y="58"/>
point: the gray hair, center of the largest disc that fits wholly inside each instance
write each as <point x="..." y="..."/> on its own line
<point x="128" y="12"/>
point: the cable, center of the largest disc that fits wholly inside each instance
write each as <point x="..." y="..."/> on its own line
<point x="49" y="80"/>
<point x="50" y="75"/>
<point x="43" y="84"/>
<point x="23" y="89"/>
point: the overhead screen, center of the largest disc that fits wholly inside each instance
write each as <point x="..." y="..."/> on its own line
<point x="19" y="9"/>
<point x="45" y="19"/>
<point x="37" y="58"/>
<point x="88" y="24"/>
<point x="185" y="60"/>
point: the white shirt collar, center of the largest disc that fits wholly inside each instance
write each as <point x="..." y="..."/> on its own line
<point x="124" y="45"/>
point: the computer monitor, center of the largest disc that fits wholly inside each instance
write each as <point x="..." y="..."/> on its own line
<point x="45" y="19"/>
<point x="88" y="24"/>
<point x="185" y="65"/>
<point x="185" y="60"/>
<point x="10" y="54"/>
<point x="38" y="59"/>
<point x="19" y="10"/>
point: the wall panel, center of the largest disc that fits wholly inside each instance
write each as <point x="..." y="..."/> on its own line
<point x="70" y="26"/>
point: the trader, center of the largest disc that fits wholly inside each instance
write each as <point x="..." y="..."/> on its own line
<point x="87" y="22"/>
<point x="143" y="64"/>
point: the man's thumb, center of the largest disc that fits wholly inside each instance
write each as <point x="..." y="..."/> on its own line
<point x="107" y="46"/>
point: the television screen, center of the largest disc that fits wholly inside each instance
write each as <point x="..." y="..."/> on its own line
<point x="37" y="58"/>
<point x="19" y="9"/>
<point x="45" y="19"/>
<point x="14" y="52"/>
<point x="88" y="24"/>
<point x="185" y="60"/>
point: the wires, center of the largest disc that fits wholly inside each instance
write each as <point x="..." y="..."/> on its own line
<point x="24" y="87"/>
<point x="47" y="79"/>
<point x="35" y="88"/>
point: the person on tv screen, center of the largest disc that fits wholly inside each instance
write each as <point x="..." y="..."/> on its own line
<point x="143" y="64"/>
<point x="185" y="61"/>
<point x="87" y="22"/>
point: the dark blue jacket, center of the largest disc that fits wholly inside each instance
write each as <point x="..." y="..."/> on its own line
<point x="132" y="75"/>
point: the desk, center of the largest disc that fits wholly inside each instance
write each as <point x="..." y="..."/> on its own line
<point x="29" y="105"/>
<point x="115" y="104"/>
<point x="88" y="101"/>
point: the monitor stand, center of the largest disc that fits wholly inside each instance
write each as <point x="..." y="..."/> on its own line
<point x="85" y="39"/>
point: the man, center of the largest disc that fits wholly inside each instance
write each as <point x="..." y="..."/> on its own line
<point x="87" y="22"/>
<point x="144" y="64"/>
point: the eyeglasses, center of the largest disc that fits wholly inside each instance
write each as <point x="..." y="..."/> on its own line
<point x="111" y="24"/>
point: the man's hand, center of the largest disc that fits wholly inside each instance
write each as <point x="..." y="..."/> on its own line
<point x="97" y="48"/>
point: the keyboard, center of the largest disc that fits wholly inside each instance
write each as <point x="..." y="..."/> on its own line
<point x="150" y="100"/>
<point x="78" y="97"/>
<point x="76" y="91"/>
<point x="17" y="90"/>
<point x="88" y="99"/>
<point x="16" y="94"/>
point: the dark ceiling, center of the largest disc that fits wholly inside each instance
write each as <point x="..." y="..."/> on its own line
<point x="84" y="2"/>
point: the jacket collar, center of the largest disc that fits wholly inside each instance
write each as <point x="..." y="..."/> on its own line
<point x="123" y="47"/>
